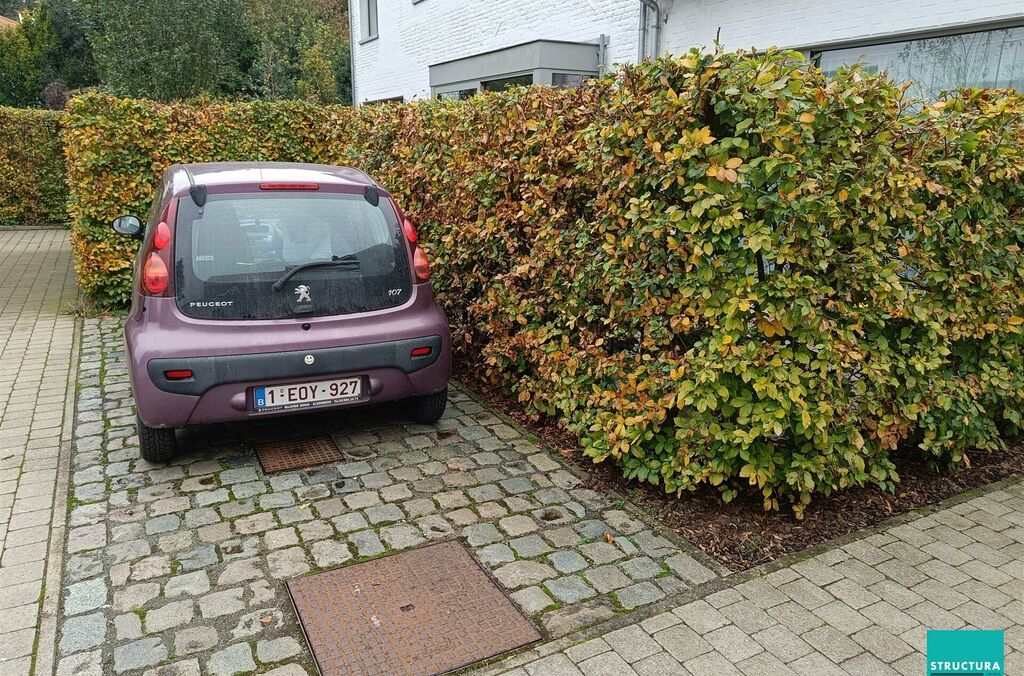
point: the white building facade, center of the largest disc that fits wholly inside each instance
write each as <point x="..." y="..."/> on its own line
<point x="411" y="49"/>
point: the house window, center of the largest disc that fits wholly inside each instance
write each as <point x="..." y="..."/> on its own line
<point x="377" y="102"/>
<point x="368" y="19"/>
<point x="993" y="58"/>
<point x="457" y="95"/>
<point x="504" y="83"/>
<point x="568" y="80"/>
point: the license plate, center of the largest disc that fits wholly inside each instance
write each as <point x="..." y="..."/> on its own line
<point x="302" y="395"/>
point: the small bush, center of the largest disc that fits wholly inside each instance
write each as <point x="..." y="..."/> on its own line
<point x="718" y="269"/>
<point x="32" y="186"/>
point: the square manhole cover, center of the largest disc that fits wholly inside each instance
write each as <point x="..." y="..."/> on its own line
<point x="424" y="611"/>
<point x="280" y="456"/>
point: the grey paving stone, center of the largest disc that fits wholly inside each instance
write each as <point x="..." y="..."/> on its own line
<point x="553" y="665"/>
<point x="232" y="660"/>
<point x="607" y="578"/>
<point x="518" y="524"/>
<point x="496" y="554"/>
<point x="567" y="561"/>
<point x="530" y="546"/>
<point x="562" y="621"/>
<point x="532" y="600"/>
<point x="180" y="668"/>
<point x="81" y="664"/>
<point x="661" y="664"/>
<point x="481" y="534"/>
<point x="222" y="603"/>
<point x="641" y="568"/>
<point x="606" y="664"/>
<point x="347" y="523"/>
<point x="128" y="627"/>
<point x="287" y="563"/>
<point x="139" y="654"/>
<point x="330" y="553"/>
<point x="167" y="616"/>
<point x="384" y="514"/>
<point x="570" y="589"/>
<point x="639" y="594"/>
<point x="277" y="649"/>
<point x="690" y="569"/>
<point x="367" y="543"/>
<point x="523" y="573"/>
<point x="401" y="536"/>
<point x="85" y="596"/>
<point x="82" y="632"/>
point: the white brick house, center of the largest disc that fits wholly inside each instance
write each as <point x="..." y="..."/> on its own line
<point x="408" y="49"/>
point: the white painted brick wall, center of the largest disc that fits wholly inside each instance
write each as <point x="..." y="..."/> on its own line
<point x="413" y="36"/>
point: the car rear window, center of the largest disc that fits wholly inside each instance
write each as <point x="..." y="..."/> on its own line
<point x="230" y="253"/>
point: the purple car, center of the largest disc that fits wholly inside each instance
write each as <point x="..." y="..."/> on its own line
<point x="266" y="289"/>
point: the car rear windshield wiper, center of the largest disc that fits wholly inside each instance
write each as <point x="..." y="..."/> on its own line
<point x="347" y="261"/>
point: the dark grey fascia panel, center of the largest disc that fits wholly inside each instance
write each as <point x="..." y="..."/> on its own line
<point x="543" y="54"/>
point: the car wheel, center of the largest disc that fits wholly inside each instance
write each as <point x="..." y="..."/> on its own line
<point x="428" y="408"/>
<point x="156" y="444"/>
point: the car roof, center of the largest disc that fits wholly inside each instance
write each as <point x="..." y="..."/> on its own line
<point x="243" y="173"/>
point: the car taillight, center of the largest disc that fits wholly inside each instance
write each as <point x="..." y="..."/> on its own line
<point x="421" y="265"/>
<point x="162" y="236"/>
<point x="409" y="231"/>
<point x="157" y="261"/>
<point x="154" y="275"/>
<point x="421" y="351"/>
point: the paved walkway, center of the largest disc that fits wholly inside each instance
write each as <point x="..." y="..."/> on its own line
<point x="860" y="608"/>
<point x="36" y="341"/>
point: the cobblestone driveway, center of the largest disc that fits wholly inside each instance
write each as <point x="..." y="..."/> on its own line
<point x="36" y="344"/>
<point x="186" y="563"/>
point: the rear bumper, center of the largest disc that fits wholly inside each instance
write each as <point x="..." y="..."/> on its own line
<point x="205" y="400"/>
<point x="268" y="367"/>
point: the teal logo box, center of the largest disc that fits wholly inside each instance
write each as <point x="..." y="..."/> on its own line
<point x="965" y="653"/>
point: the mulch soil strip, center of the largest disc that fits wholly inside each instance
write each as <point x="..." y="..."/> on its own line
<point x="740" y="534"/>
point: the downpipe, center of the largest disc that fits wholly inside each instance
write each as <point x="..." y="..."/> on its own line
<point x="647" y="8"/>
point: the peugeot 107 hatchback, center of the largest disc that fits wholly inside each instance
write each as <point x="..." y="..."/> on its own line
<point x="267" y="289"/>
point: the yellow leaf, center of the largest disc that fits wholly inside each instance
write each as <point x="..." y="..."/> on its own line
<point x="843" y="194"/>
<point x="1015" y="320"/>
<point x="734" y="162"/>
<point x="807" y="118"/>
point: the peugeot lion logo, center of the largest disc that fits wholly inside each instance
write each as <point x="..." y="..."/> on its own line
<point x="302" y="291"/>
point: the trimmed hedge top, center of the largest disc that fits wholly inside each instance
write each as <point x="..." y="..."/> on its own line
<point x="720" y="269"/>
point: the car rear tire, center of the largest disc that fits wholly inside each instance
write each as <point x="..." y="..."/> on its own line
<point x="157" y="445"/>
<point x="428" y="408"/>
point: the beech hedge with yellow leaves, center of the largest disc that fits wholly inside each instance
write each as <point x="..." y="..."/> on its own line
<point x="32" y="186"/>
<point x="723" y="269"/>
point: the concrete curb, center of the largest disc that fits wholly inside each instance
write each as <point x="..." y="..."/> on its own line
<point x="46" y="646"/>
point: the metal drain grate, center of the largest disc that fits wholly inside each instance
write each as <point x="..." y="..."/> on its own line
<point x="422" y="612"/>
<point x="280" y="456"/>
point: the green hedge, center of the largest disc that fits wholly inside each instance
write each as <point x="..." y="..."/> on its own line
<point x="715" y="269"/>
<point x="32" y="186"/>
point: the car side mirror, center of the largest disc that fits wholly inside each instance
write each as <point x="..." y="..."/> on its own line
<point x="128" y="225"/>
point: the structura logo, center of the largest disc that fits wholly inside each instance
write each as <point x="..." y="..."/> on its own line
<point x="965" y="653"/>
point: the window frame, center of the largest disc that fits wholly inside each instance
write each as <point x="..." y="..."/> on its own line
<point x="815" y="53"/>
<point x="369" y="21"/>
